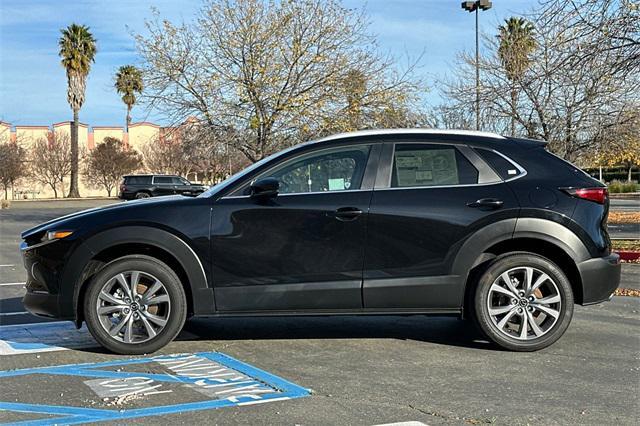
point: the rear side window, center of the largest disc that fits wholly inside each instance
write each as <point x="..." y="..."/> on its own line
<point x="503" y="167"/>
<point x="431" y="165"/>
<point x="163" y="180"/>
<point x="138" y="180"/>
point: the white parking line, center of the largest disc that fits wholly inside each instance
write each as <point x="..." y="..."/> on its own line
<point x="8" y="284"/>
<point x="6" y="266"/>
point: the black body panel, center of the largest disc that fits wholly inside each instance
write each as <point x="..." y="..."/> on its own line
<point x="374" y="250"/>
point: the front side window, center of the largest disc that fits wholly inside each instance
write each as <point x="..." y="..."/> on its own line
<point x="431" y="165"/>
<point x="179" y="181"/>
<point x="335" y="169"/>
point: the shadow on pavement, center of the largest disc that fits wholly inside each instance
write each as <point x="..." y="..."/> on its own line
<point x="440" y="330"/>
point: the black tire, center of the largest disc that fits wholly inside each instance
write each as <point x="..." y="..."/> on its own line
<point x="142" y="194"/>
<point x="176" y="315"/>
<point x="505" y="336"/>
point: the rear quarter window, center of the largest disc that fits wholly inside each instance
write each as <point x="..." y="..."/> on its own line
<point x="503" y="167"/>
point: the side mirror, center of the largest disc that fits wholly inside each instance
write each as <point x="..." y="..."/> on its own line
<point x="265" y="188"/>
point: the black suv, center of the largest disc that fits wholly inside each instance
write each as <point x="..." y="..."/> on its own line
<point x="145" y="186"/>
<point x="393" y="222"/>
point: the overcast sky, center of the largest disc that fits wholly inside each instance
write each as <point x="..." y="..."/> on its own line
<point x="33" y="84"/>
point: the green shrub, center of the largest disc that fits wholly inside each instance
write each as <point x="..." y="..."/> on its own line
<point x="617" y="186"/>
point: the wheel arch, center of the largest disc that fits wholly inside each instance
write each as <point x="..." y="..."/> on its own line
<point x="541" y="236"/>
<point x="109" y="245"/>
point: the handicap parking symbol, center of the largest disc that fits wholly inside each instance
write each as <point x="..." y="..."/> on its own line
<point x="128" y="389"/>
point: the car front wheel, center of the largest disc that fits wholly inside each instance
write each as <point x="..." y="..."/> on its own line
<point x="135" y="305"/>
<point x="523" y="302"/>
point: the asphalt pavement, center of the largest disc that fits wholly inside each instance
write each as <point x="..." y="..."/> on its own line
<point x="625" y="204"/>
<point x="339" y="370"/>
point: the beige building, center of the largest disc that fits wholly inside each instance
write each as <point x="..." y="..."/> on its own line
<point x="139" y="135"/>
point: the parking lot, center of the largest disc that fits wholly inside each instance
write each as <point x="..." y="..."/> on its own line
<point x="339" y="370"/>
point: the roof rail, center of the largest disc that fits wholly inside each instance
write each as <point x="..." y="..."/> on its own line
<point x="377" y="132"/>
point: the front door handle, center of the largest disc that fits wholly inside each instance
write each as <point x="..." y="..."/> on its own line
<point x="487" y="203"/>
<point x="347" y="213"/>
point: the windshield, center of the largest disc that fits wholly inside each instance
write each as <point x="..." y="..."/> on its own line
<point x="242" y="173"/>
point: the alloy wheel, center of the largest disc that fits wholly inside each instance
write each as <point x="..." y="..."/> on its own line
<point x="133" y="307"/>
<point x="524" y="303"/>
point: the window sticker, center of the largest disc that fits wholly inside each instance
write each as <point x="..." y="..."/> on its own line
<point x="336" y="184"/>
<point x="426" y="167"/>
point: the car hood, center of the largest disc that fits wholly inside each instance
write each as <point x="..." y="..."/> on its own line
<point x="124" y="206"/>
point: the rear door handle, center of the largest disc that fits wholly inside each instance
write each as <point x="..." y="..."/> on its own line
<point x="487" y="203"/>
<point x="347" y="213"/>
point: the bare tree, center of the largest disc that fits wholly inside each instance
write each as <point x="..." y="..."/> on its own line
<point x="12" y="167"/>
<point x="51" y="161"/>
<point x="166" y="154"/>
<point x="108" y="162"/>
<point x="563" y="96"/>
<point x="268" y="70"/>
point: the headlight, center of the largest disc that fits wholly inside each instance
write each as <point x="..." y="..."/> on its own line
<point x="56" y="235"/>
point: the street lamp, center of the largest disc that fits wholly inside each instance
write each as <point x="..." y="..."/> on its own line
<point x="475" y="6"/>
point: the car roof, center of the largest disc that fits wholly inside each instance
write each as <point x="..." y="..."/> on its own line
<point x="147" y="175"/>
<point x="413" y="131"/>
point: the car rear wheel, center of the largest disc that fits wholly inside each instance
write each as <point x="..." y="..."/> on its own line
<point x="135" y="305"/>
<point x="142" y="195"/>
<point x="523" y="302"/>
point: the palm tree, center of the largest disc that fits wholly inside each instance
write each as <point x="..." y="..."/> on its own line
<point x="128" y="83"/>
<point x="517" y="43"/>
<point x="77" y="50"/>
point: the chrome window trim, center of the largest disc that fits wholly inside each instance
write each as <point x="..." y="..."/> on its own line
<point x="264" y="173"/>
<point x="522" y="170"/>
<point x="465" y="185"/>
<point x="351" y="191"/>
<point x="463" y="148"/>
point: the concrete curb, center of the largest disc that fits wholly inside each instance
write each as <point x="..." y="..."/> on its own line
<point x="35" y="200"/>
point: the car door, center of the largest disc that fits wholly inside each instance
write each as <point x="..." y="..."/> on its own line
<point x="304" y="248"/>
<point x="428" y="198"/>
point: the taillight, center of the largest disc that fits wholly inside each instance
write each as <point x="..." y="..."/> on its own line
<point x="122" y="187"/>
<point x="597" y="195"/>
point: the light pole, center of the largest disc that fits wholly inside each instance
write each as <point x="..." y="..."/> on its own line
<point x="475" y="6"/>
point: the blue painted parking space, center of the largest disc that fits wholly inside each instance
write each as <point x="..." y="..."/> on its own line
<point x="142" y="387"/>
<point x="43" y="337"/>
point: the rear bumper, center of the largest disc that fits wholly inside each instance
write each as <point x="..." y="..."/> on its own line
<point x="600" y="278"/>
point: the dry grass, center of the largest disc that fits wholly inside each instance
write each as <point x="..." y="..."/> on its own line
<point x="5" y="204"/>
<point x="627" y="245"/>
<point x="624" y="217"/>
<point x="627" y="292"/>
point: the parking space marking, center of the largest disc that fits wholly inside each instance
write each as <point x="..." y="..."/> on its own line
<point x="8" y="314"/>
<point x="8" y="284"/>
<point x="118" y="373"/>
<point x="43" y="337"/>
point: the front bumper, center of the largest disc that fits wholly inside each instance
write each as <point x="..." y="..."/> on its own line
<point x="43" y="294"/>
<point x="600" y="278"/>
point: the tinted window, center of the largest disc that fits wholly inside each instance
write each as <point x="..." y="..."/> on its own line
<point x="337" y="169"/>
<point x="431" y="165"/>
<point x="138" y="180"/>
<point x="498" y="163"/>
<point x="163" y="180"/>
<point x="179" y="181"/>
